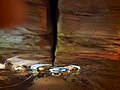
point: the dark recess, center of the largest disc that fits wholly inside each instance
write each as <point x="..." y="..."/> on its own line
<point x="54" y="17"/>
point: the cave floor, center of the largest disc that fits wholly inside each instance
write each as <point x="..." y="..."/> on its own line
<point x="94" y="75"/>
<point x="102" y="74"/>
<point x="53" y="83"/>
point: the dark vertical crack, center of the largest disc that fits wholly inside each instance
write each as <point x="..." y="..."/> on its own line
<point x="54" y="17"/>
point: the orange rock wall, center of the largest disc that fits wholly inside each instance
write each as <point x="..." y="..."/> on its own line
<point x="88" y="29"/>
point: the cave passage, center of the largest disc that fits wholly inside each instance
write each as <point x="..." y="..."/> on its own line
<point x="54" y="17"/>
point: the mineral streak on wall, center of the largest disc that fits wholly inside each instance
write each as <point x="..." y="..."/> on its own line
<point x="88" y="29"/>
<point x="30" y="40"/>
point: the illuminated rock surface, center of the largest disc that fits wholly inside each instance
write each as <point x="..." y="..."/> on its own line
<point x="33" y="38"/>
<point x="88" y="29"/>
<point x="89" y="36"/>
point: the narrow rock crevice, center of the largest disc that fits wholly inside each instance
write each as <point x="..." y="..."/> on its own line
<point x="54" y="17"/>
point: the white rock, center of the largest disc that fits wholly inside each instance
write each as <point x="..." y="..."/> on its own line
<point x="2" y="66"/>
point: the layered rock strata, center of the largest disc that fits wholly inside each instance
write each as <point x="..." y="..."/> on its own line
<point x="88" y="29"/>
<point x="32" y="39"/>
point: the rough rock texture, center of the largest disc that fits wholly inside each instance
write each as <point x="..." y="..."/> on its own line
<point x="96" y="76"/>
<point x="89" y="29"/>
<point x="9" y="78"/>
<point x="89" y="36"/>
<point x="33" y="37"/>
